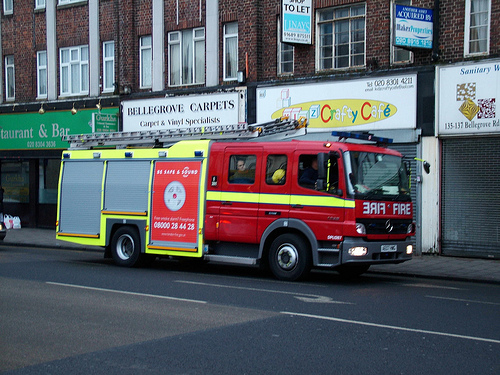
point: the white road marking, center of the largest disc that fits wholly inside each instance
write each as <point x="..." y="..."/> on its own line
<point x="391" y="327"/>
<point x="128" y="293"/>
<point x="465" y="300"/>
<point x="300" y="296"/>
<point x="432" y="286"/>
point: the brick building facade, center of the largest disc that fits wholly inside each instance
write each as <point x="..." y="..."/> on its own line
<point x="65" y="62"/>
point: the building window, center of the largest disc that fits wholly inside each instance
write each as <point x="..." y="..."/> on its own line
<point x="477" y="27"/>
<point x="39" y="4"/>
<point x="41" y="67"/>
<point x="146" y="61"/>
<point x="186" y="57"/>
<point x="341" y="37"/>
<point x="74" y="70"/>
<point x="285" y="55"/>
<point x="48" y="174"/>
<point x="230" y="51"/>
<point x="400" y="55"/>
<point x="15" y="181"/>
<point x="108" y="66"/>
<point x="8" y="6"/>
<point x="10" y="79"/>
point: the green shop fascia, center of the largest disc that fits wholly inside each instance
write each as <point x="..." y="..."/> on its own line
<point x="30" y="154"/>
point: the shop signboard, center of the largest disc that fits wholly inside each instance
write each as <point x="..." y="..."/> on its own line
<point x="296" y="21"/>
<point x="196" y="111"/>
<point x="30" y="131"/>
<point x="467" y="96"/>
<point x="413" y="27"/>
<point x="387" y="102"/>
<point x="104" y="122"/>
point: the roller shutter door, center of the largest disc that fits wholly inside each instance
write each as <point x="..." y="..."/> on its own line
<point x="126" y="186"/>
<point x="80" y="203"/>
<point x="409" y="150"/>
<point x="470" y="198"/>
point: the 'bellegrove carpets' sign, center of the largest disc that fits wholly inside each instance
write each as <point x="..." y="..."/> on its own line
<point x="180" y="112"/>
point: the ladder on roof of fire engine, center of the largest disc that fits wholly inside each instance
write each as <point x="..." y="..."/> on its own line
<point x="165" y="137"/>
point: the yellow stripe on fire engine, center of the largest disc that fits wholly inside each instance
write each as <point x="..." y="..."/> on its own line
<point x="304" y="200"/>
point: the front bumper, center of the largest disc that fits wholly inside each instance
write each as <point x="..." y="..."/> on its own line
<point x="377" y="252"/>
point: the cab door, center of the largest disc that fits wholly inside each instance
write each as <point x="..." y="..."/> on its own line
<point x="322" y="211"/>
<point x="239" y="197"/>
<point x="275" y="189"/>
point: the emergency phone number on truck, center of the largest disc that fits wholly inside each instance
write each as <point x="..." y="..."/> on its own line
<point x="173" y="225"/>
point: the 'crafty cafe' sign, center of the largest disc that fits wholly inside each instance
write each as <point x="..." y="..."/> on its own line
<point x="180" y="112"/>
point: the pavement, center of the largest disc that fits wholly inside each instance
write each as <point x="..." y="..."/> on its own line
<point x="426" y="266"/>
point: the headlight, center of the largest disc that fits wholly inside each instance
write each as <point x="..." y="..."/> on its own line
<point x="360" y="228"/>
<point x="409" y="249"/>
<point x="358" y="251"/>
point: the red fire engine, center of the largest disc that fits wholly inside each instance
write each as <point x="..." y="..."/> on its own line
<point x="291" y="205"/>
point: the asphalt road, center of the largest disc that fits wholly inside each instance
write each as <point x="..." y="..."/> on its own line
<point x="72" y="312"/>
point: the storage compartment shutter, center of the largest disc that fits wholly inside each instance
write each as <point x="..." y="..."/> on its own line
<point x="80" y="203"/>
<point x="470" y="203"/>
<point x="127" y="186"/>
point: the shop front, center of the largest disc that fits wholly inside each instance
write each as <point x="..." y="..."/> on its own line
<point x="469" y="133"/>
<point x="30" y="152"/>
<point x="385" y="106"/>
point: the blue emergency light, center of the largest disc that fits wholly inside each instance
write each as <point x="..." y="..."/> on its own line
<point x="365" y="136"/>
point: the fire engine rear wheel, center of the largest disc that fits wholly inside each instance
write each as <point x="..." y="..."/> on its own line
<point x="126" y="247"/>
<point x="289" y="257"/>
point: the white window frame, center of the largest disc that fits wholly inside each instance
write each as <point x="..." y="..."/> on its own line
<point x="467" y="30"/>
<point x="108" y="67"/>
<point x="65" y="2"/>
<point x="185" y="68"/>
<point x="39" y="4"/>
<point x="230" y="37"/>
<point x="41" y="74"/>
<point x="76" y="64"/>
<point x="10" y="78"/>
<point x="283" y="49"/>
<point x="145" y="62"/>
<point x="8" y="7"/>
<point x="320" y="60"/>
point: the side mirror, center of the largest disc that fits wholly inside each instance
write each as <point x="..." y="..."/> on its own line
<point x="322" y="166"/>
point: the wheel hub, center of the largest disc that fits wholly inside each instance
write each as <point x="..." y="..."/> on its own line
<point x="125" y="247"/>
<point x="287" y="257"/>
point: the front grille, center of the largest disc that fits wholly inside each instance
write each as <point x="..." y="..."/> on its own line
<point x="385" y="226"/>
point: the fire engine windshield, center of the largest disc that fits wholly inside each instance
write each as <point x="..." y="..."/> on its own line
<point x="376" y="176"/>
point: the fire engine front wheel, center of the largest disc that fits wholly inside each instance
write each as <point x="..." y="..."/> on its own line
<point x="289" y="257"/>
<point x="126" y="247"/>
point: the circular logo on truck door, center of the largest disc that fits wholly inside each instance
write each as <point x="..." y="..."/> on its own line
<point x="175" y="196"/>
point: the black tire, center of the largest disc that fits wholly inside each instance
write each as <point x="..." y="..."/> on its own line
<point x="289" y="257"/>
<point x="352" y="270"/>
<point x="126" y="247"/>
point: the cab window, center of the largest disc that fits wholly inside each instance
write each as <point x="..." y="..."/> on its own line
<point x="308" y="171"/>
<point x="242" y="169"/>
<point x="276" y="169"/>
